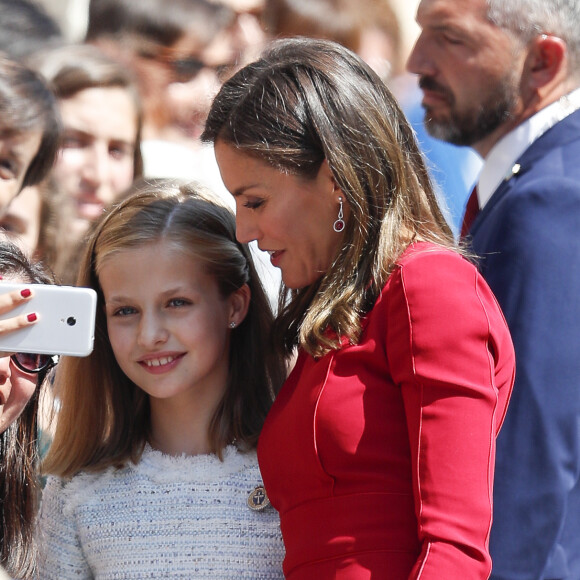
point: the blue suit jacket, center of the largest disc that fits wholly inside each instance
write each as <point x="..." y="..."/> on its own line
<point x="528" y="237"/>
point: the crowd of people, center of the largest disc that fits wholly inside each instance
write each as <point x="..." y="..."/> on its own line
<point x="338" y="290"/>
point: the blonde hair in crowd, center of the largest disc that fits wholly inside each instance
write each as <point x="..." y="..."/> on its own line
<point x="104" y="417"/>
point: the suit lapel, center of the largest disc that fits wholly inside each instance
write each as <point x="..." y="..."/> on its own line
<point x="560" y="134"/>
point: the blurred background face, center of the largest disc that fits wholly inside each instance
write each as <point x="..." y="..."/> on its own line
<point x="248" y="35"/>
<point x="95" y="163"/>
<point x="195" y="77"/>
<point x="16" y="154"/>
<point x="21" y="221"/>
<point x="180" y="81"/>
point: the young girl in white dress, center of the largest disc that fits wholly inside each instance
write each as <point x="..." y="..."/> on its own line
<point x="153" y="470"/>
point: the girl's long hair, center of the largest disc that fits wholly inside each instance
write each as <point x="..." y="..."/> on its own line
<point x="104" y="418"/>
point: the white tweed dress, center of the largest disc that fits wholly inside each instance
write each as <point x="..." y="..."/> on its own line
<point x="167" y="517"/>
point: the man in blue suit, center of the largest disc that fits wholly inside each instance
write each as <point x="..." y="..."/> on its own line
<point x="503" y="76"/>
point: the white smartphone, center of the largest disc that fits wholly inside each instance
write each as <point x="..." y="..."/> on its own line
<point x="65" y="325"/>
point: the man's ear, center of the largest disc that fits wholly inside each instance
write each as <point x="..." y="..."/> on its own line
<point x="547" y="60"/>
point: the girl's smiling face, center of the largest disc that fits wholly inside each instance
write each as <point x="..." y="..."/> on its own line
<point x="168" y="323"/>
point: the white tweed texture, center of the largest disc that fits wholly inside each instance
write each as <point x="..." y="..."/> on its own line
<point x="168" y="517"/>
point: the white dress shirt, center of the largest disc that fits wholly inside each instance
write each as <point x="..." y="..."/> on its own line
<point x="501" y="164"/>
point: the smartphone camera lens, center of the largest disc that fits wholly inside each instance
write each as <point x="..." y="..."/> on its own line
<point x="71" y="320"/>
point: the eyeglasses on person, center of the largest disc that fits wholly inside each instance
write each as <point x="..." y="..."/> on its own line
<point x="186" y="69"/>
<point x="34" y="363"/>
<point x="183" y="68"/>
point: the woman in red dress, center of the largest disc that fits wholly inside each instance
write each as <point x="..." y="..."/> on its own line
<point x="379" y="449"/>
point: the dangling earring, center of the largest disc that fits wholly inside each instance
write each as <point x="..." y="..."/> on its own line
<point x="338" y="225"/>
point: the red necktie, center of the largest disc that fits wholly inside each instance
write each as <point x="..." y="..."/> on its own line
<point x="471" y="211"/>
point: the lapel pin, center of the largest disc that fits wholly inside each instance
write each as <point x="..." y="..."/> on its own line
<point x="513" y="171"/>
<point x="258" y="500"/>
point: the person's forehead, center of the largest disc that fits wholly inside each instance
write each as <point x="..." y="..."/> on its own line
<point x="243" y="6"/>
<point x="451" y="8"/>
<point x="104" y="112"/>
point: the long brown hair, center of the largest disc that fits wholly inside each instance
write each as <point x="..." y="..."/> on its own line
<point x="19" y="489"/>
<point x="306" y="101"/>
<point x="104" y="417"/>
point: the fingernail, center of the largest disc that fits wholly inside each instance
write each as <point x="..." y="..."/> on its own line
<point x="31" y="317"/>
<point x="25" y="293"/>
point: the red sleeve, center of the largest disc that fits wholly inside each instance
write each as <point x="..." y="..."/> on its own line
<point x="450" y="352"/>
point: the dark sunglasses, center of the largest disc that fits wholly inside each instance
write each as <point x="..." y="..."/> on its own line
<point x="34" y="363"/>
<point x="186" y="69"/>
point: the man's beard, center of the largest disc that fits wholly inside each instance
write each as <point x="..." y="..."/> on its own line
<point x="470" y="126"/>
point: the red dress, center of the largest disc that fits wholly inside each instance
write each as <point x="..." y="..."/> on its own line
<point x="379" y="456"/>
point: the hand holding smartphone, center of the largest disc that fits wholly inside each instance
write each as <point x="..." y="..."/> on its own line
<point x="65" y="325"/>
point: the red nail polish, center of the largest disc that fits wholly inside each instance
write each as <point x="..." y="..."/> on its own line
<point x="25" y="293"/>
<point x="31" y="317"/>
